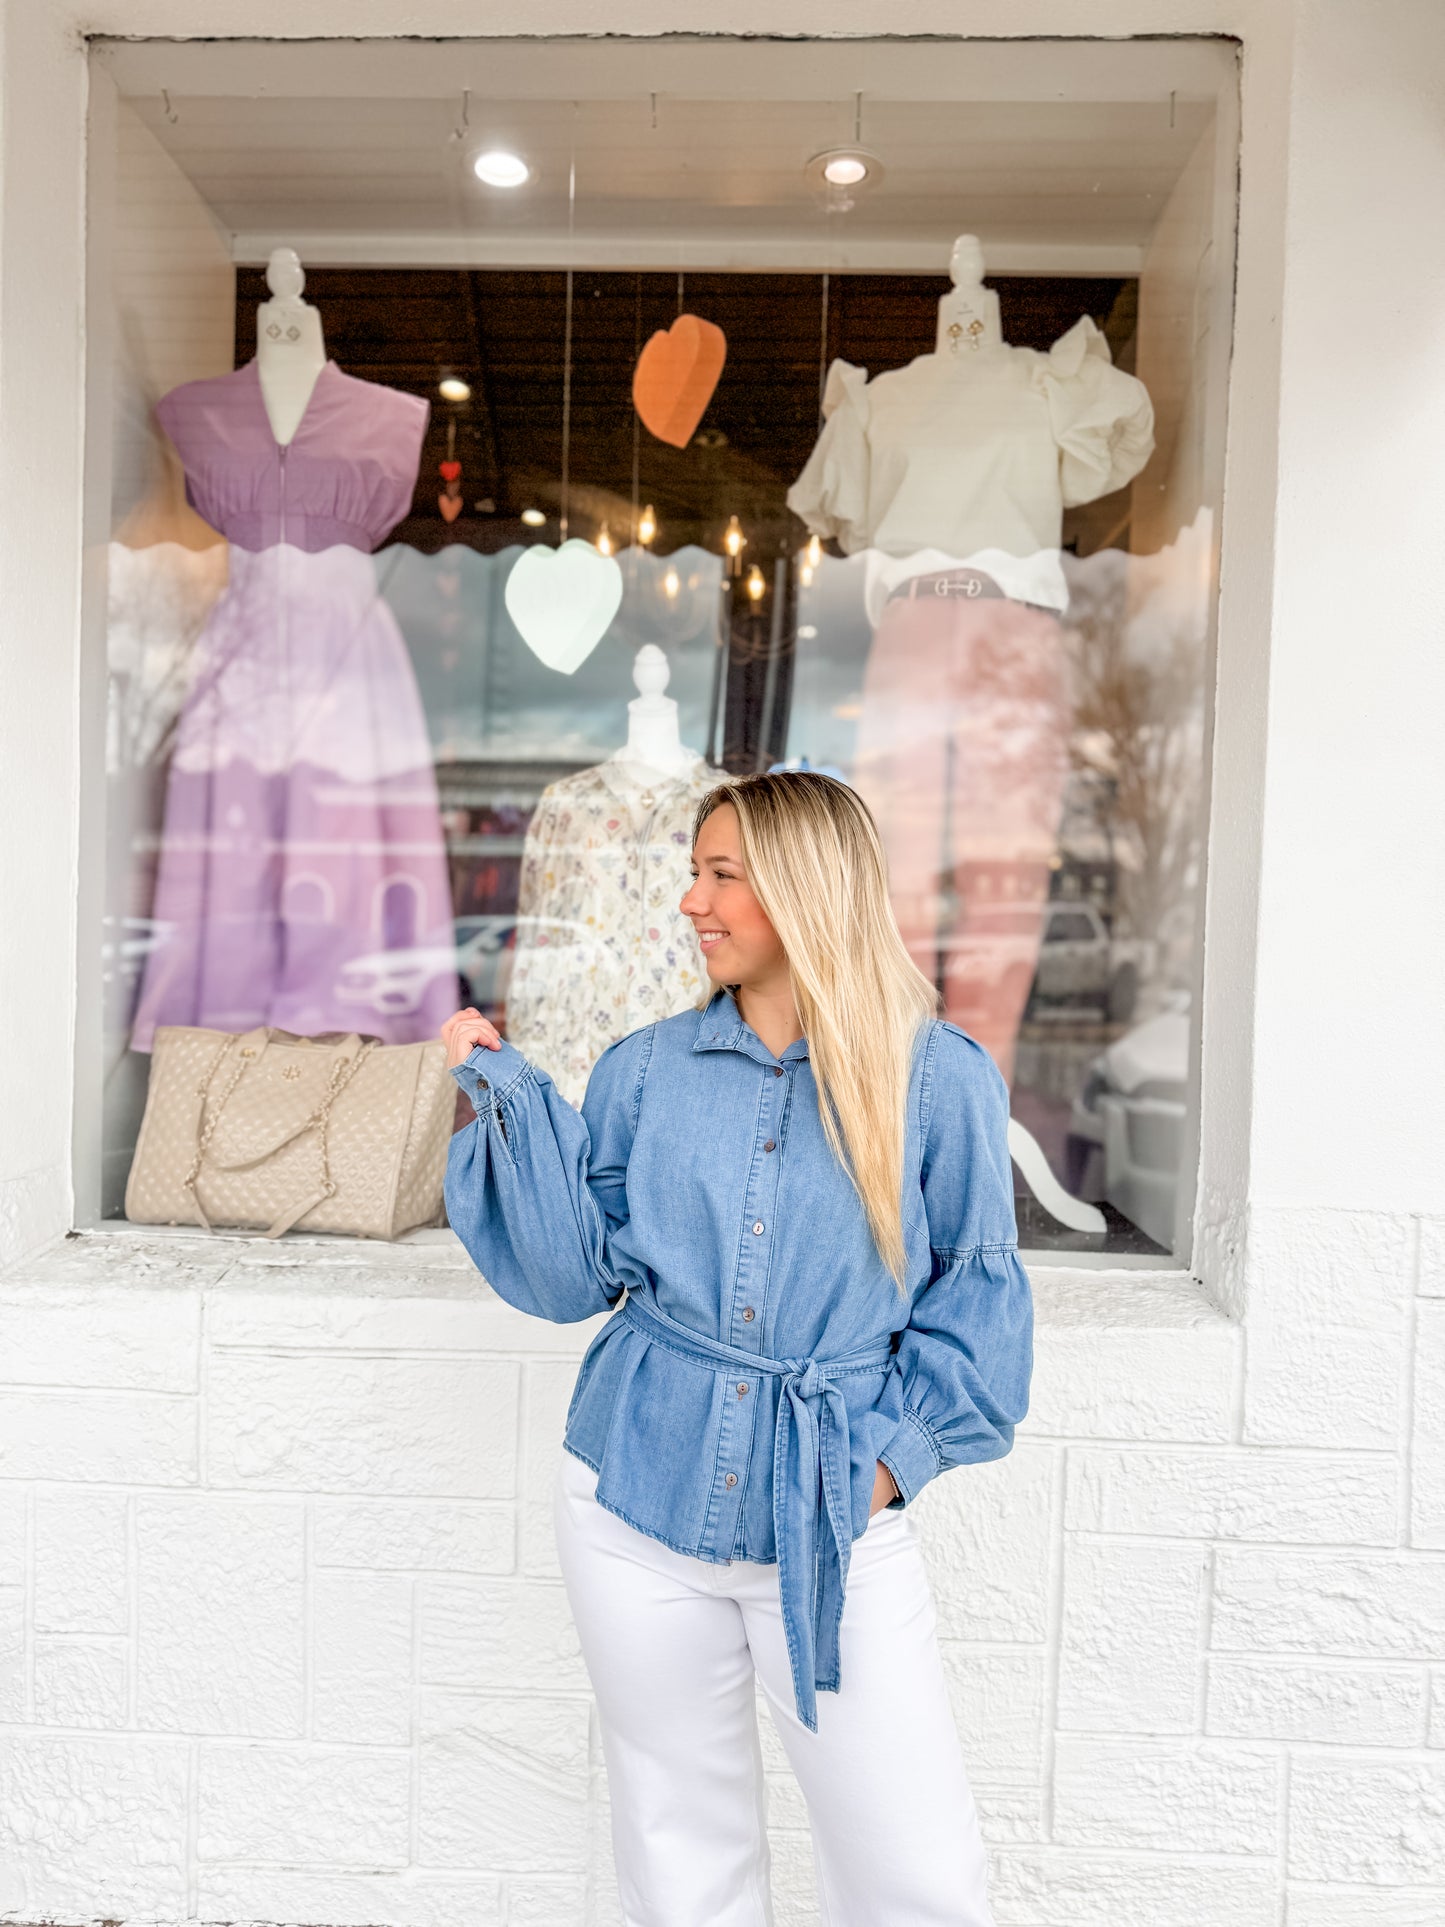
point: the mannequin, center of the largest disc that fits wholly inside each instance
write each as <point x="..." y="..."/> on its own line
<point x="653" y="744"/>
<point x="950" y="476"/>
<point x="601" y="944"/>
<point x="301" y="869"/>
<point x="970" y="454"/>
<point x="290" y="352"/>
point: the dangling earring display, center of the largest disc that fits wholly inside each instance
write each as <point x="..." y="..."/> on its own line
<point x="972" y="334"/>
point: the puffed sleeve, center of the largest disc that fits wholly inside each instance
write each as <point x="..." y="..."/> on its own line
<point x="535" y="1190"/>
<point x="967" y="1351"/>
<point x="831" y="494"/>
<point x="1102" y="419"/>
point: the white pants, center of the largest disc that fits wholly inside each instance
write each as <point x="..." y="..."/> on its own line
<point x="673" y="1643"/>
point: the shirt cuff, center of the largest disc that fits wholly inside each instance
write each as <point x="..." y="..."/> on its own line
<point x="911" y="1457"/>
<point x="495" y="1072"/>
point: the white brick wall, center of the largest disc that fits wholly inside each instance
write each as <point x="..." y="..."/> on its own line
<point x="282" y="1636"/>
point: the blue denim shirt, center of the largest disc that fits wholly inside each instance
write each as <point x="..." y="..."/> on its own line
<point x="763" y="1358"/>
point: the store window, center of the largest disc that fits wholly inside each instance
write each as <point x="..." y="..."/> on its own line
<point x="506" y="439"/>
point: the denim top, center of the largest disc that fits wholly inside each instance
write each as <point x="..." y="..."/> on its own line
<point x="763" y="1359"/>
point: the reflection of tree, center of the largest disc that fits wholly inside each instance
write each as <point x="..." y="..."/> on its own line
<point x="1137" y="630"/>
<point x="158" y="602"/>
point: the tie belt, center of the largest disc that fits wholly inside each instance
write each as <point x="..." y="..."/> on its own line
<point x="812" y="1487"/>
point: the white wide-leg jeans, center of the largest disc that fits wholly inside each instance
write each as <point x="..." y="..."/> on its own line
<point x="673" y="1646"/>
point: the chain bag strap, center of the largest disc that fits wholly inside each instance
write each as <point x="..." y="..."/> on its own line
<point x="206" y="1124"/>
<point x="248" y="1050"/>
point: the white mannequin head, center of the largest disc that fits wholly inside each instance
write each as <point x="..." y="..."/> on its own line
<point x="965" y="264"/>
<point x="968" y="316"/>
<point x="290" y="351"/>
<point x="287" y="326"/>
<point x="285" y="276"/>
<point x="653" y="743"/>
<point x="651" y="672"/>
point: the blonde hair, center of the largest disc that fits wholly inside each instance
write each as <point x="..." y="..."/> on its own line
<point x="815" y="864"/>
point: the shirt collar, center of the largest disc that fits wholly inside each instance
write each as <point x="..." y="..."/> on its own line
<point x="720" y="1026"/>
<point x="629" y="787"/>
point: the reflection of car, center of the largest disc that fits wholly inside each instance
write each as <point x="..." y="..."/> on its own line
<point x="394" y="982"/>
<point x="1081" y="963"/>
<point x="1060" y="956"/>
<point x="1126" y="1129"/>
<point x="485" y="947"/>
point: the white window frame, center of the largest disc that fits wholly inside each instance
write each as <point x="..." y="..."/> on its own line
<point x="47" y="115"/>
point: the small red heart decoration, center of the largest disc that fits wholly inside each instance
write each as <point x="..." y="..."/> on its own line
<point x="450" y="471"/>
<point x="450" y="506"/>
<point x="675" y="377"/>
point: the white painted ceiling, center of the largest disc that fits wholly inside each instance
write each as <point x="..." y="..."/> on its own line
<point x="688" y="154"/>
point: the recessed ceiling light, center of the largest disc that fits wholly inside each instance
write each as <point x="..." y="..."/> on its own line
<point x="534" y="518"/>
<point x="845" y="170"/>
<point x="843" y="167"/>
<point x="453" y="388"/>
<point x="498" y="168"/>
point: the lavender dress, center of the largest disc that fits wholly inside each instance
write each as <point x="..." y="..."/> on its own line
<point x="301" y="877"/>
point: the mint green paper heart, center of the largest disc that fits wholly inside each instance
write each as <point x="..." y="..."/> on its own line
<point x="563" y="601"/>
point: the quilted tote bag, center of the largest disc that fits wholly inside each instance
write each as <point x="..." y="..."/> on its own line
<point x="266" y="1131"/>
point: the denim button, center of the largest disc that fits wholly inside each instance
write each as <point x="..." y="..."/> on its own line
<point x="748" y="1314"/>
<point x="758" y="1229"/>
<point x="777" y="1070"/>
<point x="484" y="1084"/>
<point x="771" y="1145"/>
<point x="742" y="1390"/>
<point x="731" y="1479"/>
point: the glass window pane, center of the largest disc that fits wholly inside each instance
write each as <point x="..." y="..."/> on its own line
<point x="879" y="397"/>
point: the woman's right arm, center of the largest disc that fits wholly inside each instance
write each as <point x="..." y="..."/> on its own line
<point x="532" y="1192"/>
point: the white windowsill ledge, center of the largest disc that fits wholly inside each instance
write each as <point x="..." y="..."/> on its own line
<point x="432" y="1265"/>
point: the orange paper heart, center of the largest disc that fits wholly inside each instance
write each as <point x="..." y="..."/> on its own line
<point x="450" y="506"/>
<point x="675" y="377"/>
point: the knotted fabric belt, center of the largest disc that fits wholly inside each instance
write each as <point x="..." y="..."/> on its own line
<point x="812" y="1487"/>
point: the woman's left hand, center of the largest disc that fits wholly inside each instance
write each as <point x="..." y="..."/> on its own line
<point x="884" y="1490"/>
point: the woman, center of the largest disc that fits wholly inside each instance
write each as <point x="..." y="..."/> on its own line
<point x="804" y="1189"/>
